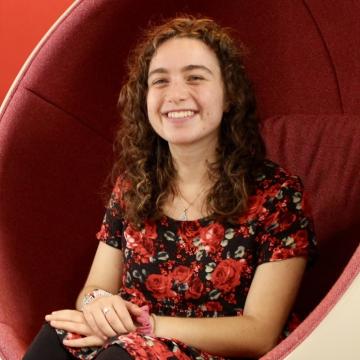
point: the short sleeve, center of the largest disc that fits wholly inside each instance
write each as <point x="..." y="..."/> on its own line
<point x="112" y="226"/>
<point x="286" y="226"/>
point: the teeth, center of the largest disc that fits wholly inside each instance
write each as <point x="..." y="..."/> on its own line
<point x="180" y="114"/>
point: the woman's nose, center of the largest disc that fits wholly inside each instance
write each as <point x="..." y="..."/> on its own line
<point x="176" y="93"/>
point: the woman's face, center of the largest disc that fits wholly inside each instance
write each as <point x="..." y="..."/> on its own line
<point x="185" y="99"/>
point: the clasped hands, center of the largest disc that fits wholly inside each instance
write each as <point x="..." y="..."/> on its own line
<point x="104" y="318"/>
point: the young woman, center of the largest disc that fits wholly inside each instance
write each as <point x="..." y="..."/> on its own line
<point x="204" y="241"/>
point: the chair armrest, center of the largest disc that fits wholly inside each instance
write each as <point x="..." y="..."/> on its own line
<point x="11" y="346"/>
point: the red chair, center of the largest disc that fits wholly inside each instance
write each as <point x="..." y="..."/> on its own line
<point x="57" y="121"/>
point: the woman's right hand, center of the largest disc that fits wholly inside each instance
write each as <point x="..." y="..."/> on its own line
<point x="109" y="316"/>
<point x="73" y="322"/>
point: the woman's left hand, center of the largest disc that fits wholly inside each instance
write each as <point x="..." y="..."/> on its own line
<point x="74" y="321"/>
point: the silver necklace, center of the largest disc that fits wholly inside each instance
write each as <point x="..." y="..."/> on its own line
<point x="184" y="216"/>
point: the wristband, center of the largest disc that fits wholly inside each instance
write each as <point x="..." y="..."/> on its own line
<point x="145" y="327"/>
<point x="94" y="294"/>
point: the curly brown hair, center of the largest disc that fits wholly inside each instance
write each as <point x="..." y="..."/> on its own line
<point x="143" y="158"/>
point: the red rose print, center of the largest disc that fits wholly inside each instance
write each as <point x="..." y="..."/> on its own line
<point x="273" y="191"/>
<point x="148" y="246"/>
<point x="211" y="236"/>
<point x="135" y="345"/>
<point x="140" y="243"/>
<point x="282" y="253"/>
<point x="286" y="220"/>
<point x="150" y="230"/>
<point x="297" y="247"/>
<point x="256" y="202"/>
<point x="244" y="231"/>
<point x="195" y="289"/>
<point x="189" y="230"/>
<point x="226" y="275"/>
<point x="213" y="306"/>
<point x="160" y="286"/>
<point x="230" y="298"/>
<point x="181" y="273"/>
<point x="121" y="187"/>
<point x="271" y="219"/>
<point x="137" y="297"/>
<point x="301" y="239"/>
<point x="179" y="356"/>
<point x="161" y="351"/>
<point x="255" y="205"/>
<point x="103" y="234"/>
<point x="132" y="236"/>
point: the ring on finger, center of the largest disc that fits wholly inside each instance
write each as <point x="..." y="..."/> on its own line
<point x="105" y="310"/>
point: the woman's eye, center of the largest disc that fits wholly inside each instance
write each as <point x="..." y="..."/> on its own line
<point x="195" y="78"/>
<point x="159" y="82"/>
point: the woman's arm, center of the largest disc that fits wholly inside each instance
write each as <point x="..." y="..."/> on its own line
<point x="271" y="296"/>
<point x="105" y="272"/>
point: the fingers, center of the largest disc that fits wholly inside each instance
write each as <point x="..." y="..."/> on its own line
<point x="126" y="311"/>
<point x="113" y="317"/>
<point x="73" y="327"/>
<point x="99" y="322"/>
<point x="115" y="320"/>
<point x="133" y="308"/>
<point x="87" y="341"/>
<point x="66" y="315"/>
<point x="93" y="324"/>
<point x="93" y="320"/>
<point x="69" y="320"/>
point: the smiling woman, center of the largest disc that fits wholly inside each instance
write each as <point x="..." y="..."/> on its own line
<point x="204" y="241"/>
<point x="185" y="100"/>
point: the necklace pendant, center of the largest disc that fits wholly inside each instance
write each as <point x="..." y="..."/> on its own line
<point x="184" y="215"/>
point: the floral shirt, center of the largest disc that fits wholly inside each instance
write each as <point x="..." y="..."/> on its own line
<point x="203" y="268"/>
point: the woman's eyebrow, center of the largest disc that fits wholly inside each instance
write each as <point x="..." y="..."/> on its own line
<point x="197" y="67"/>
<point x="184" y="69"/>
<point x="157" y="71"/>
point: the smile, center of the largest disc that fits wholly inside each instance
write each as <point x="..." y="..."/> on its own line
<point x="180" y="114"/>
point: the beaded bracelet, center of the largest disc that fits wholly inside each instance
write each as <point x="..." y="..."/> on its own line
<point x="94" y="294"/>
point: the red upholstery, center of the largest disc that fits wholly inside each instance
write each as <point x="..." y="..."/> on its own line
<point x="324" y="150"/>
<point x="56" y="129"/>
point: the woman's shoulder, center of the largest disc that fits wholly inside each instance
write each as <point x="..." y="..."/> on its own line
<point x="270" y="174"/>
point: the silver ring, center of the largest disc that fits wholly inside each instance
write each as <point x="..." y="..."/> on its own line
<point x="105" y="310"/>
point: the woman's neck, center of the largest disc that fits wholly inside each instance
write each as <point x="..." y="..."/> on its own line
<point x="192" y="181"/>
<point x="191" y="164"/>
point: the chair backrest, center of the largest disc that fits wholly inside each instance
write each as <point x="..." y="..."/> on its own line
<point x="325" y="151"/>
<point x="56" y="128"/>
